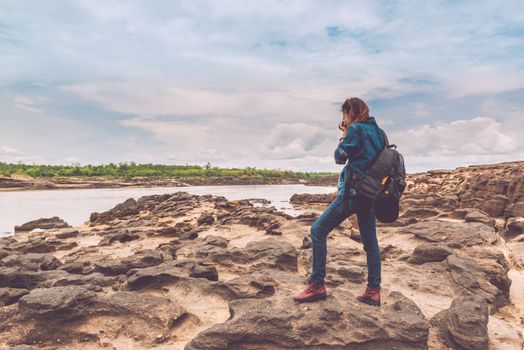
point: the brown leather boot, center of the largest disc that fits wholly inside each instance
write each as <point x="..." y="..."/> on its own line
<point x="371" y="296"/>
<point x="313" y="292"/>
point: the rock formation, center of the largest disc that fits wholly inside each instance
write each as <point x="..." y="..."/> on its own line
<point x="44" y="223"/>
<point x="180" y="271"/>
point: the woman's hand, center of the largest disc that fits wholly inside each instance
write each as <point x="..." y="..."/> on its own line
<point x="342" y="126"/>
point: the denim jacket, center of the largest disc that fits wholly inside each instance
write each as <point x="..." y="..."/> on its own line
<point x="358" y="150"/>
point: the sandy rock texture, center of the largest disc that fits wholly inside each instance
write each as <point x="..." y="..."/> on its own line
<point x="466" y="225"/>
<point x="180" y="271"/>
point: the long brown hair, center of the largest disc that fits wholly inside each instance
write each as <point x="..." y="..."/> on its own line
<point x="357" y="109"/>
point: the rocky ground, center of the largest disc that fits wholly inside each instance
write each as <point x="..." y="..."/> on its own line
<point x="180" y="271"/>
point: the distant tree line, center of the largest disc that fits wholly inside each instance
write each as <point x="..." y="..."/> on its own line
<point x="130" y="170"/>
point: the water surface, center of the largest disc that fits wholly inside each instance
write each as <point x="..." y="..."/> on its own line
<point x="75" y="205"/>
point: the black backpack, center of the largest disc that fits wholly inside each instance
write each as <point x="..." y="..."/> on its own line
<point x="384" y="183"/>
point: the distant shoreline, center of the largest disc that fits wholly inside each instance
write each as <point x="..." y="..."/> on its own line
<point x="17" y="182"/>
<point x="9" y="184"/>
<point x="20" y="177"/>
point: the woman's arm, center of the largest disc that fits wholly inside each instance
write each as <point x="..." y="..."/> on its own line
<point x="347" y="145"/>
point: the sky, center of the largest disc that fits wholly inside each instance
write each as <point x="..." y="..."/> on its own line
<point x="258" y="83"/>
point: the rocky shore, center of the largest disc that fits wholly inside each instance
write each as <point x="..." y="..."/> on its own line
<point x="25" y="183"/>
<point x="181" y="271"/>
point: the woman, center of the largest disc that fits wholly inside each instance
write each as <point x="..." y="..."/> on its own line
<point x="359" y="146"/>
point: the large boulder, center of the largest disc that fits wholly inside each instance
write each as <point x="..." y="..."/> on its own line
<point x="71" y="300"/>
<point x="484" y="277"/>
<point x="54" y="315"/>
<point x="205" y="219"/>
<point x="43" y="223"/>
<point x="168" y="272"/>
<point x="119" y="266"/>
<point x="429" y="252"/>
<point x="123" y="210"/>
<point x="452" y="234"/>
<point x="32" y="261"/>
<point x="495" y="189"/>
<point x="464" y="326"/>
<point x="14" y="277"/>
<point x="268" y="253"/>
<point x="341" y="322"/>
<point x="307" y="198"/>
<point x="156" y="310"/>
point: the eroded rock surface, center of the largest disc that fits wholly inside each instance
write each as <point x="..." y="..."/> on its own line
<point x="461" y="231"/>
<point x="465" y="324"/>
<point x="341" y="322"/>
<point x="180" y="271"/>
<point x="60" y="301"/>
<point x="44" y="223"/>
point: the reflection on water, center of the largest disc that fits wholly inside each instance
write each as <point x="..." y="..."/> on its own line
<point x="75" y="206"/>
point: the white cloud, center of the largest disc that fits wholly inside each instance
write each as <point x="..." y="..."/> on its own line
<point x="258" y="83"/>
<point x="171" y="132"/>
<point x="297" y="140"/>
<point x="420" y="109"/>
<point x="478" y="136"/>
<point x="215" y="140"/>
<point x="10" y="154"/>
<point x="484" y="79"/>
<point x="26" y="104"/>
<point x="164" y="99"/>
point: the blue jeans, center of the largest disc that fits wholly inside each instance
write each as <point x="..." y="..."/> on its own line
<point x="338" y="211"/>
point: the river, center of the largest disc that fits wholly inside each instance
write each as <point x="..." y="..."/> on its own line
<point x="75" y="205"/>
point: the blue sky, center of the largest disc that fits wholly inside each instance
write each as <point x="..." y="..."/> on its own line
<point x="258" y="83"/>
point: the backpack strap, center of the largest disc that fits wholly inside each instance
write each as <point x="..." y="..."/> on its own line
<point x="386" y="141"/>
